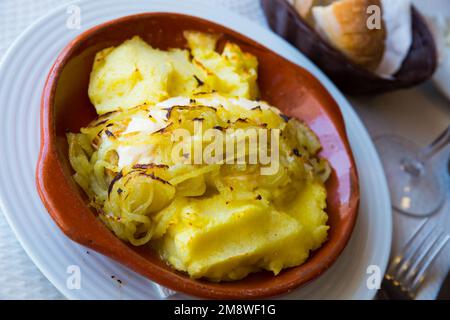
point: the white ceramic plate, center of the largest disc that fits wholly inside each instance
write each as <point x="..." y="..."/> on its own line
<point x="22" y="76"/>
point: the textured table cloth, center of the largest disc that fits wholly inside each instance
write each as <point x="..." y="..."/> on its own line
<point x="419" y="113"/>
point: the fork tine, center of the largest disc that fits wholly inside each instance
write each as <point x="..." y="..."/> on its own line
<point x="412" y="252"/>
<point x="399" y="259"/>
<point x="420" y="274"/>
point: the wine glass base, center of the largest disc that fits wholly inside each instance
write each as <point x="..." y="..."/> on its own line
<point x="419" y="193"/>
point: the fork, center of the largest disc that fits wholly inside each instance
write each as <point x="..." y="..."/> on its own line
<point x="408" y="269"/>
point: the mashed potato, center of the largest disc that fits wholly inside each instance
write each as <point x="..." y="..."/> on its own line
<point x="218" y="220"/>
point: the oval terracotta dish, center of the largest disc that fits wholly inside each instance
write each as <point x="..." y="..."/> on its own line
<point x="418" y="66"/>
<point x="66" y="106"/>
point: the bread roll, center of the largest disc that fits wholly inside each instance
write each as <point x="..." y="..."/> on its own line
<point x="344" y="24"/>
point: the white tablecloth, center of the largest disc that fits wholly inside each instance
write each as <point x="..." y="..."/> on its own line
<point x="419" y="113"/>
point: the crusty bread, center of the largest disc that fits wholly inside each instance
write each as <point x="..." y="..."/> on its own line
<point x="304" y="7"/>
<point x="344" y="24"/>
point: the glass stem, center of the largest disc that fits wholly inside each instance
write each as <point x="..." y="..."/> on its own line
<point x="415" y="166"/>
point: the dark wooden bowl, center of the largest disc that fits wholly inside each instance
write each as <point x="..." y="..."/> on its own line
<point x="66" y="106"/>
<point x="418" y="66"/>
